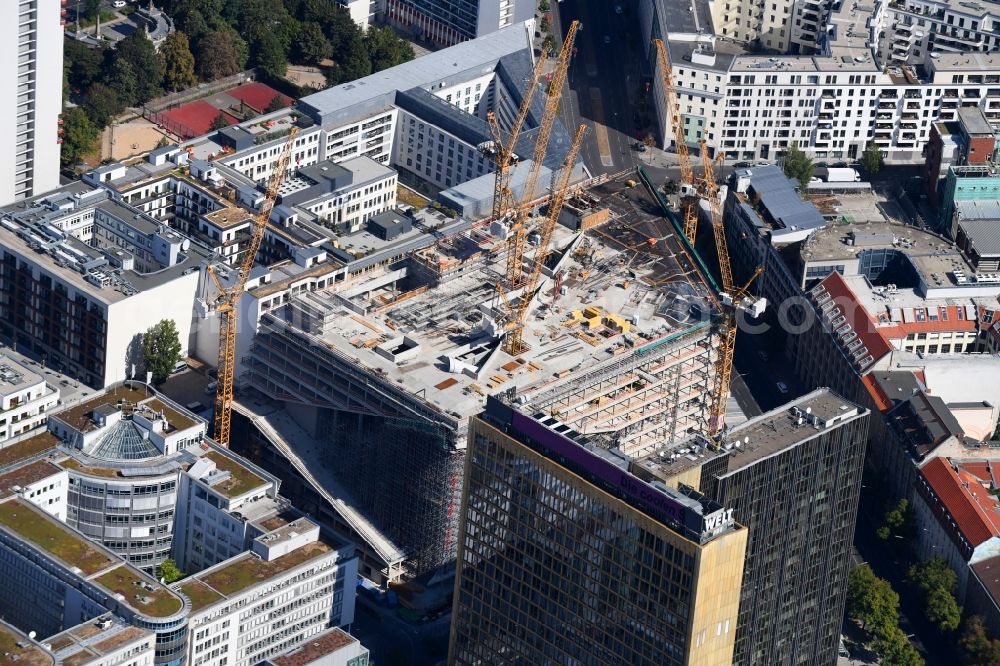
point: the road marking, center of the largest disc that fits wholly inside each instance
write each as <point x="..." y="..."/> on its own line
<point x="597" y="110"/>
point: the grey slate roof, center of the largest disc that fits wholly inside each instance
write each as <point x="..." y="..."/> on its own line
<point x="984" y="234"/>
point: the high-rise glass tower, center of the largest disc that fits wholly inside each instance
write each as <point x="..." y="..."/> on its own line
<point x="567" y="557"/>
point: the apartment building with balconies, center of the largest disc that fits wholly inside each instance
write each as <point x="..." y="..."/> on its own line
<point x="25" y="399"/>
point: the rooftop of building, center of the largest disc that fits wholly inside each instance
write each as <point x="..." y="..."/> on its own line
<point x="94" y="639"/>
<point x="139" y="591"/>
<point x="685" y="16"/>
<point x="767" y="190"/>
<point x="974" y="121"/>
<point x="462" y="61"/>
<point x="956" y="378"/>
<point x="16" y="649"/>
<point x="925" y="422"/>
<point x="29" y="447"/>
<point x="982" y="233"/>
<point x="25" y="475"/>
<point x="789" y="425"/>
<point x="238" y="574"/>
<point x="241" y="478"/>
<point x="970" y="504"/>
<point x="88" y="559"/>
<point x="26" y="227"/>
<point x="46" y="533"/>
<point x="15" y="377"/>
<point x="328" y="177"/>
<point x="316" y="647"/>
<point x="988" y="573"/>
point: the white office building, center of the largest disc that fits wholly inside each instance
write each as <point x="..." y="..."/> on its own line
<point x="31" y="50"/>
<point x="25" y="399"/>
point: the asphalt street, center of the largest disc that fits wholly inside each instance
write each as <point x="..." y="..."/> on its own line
<point x="601" y="76"/>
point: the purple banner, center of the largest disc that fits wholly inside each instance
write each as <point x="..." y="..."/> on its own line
<point x="631" y="486"/>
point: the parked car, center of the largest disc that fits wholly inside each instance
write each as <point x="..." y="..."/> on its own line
<point x="118" y="4"/>
<point x="607" y="39"/>
<point x="618" y="9"/>
<point x="210" y="389"/>
<point x="782" y="388"/>
<point x="763" y="356"/>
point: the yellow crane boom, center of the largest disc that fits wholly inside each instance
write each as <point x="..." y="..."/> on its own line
<point x="515" y="252"/>
<point x="228" y="299"/>
<point x="503" y="198"/>
<point x="514" y="342"/>
<point x="689" y="202"/>
<point x="732" y="295"/>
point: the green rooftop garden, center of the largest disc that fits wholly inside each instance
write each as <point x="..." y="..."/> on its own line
<point x="27" y="448"/>
<point x="248" y="571"/>
<point x="241" y="480"/>
<point x="9" y="651"/>
<point x="158" y="602"/>
<point x="70" y="463"/>
<point x="47" y="534"/>
<point x="201" y="595"/>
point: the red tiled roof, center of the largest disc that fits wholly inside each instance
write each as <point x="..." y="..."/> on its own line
<point x="257" y="96"/>
<point x="971" y="506"/>
<point x="857" y="317"/>
<point x="875" y="391"/>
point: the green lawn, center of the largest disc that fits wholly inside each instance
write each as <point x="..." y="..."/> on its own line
<point x="249" y="571"/>
<point x="200" y="594"/>
<point x="46" y="533"/>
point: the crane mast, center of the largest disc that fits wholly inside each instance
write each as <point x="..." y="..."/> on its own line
<point x="513" y="343"/>
<point x="732" y="297"/>
<point x="516" y="241"/>
<point x="503" y="197"/>
<point x="689" y="201"/>
<point x="228" y="299"/>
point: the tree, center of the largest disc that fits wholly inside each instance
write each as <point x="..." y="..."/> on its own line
<point x="936" y="580"/>
<point x="84" y="64"/>
<point x="217" y="55"/>
<point x="178" y="63"/>
<point x="386" y="49"/>
<point x="977" y="648"/>
<point x="896" y="649"/>
<point x="872" y="601"/>
<point x="163" y="142"/>
<point x="543" y="6"/>
<point x="219" y="122"/>
<point x="544" y="25"/>
<point x="277" y="103"/>
<point x="797" y="165"/>
<point x="91" y="8"/>
<point x="161" y="350"/>
<point x="872" y="159"/>
<point x="312" y="46"/>
<point x="102" y="104"/>
<point x="169" y="572"/>
<point x="269" y="57"/>
<point x="352" y="59"/>
<point x="123" y="80"/>
<point x="897" y="522"/>
<point x="138" y="51"/>
<point x="671" y="187"/>
<point x="79" y="135"/>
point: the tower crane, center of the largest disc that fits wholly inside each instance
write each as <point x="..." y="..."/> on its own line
<point x="733" y="297"/>
<point x="689" y="200"/>
<point x="228" y="299"/>
<point x="518" y="233"/>
<point x="503" y="197"/>
<point x="513" y="343"/>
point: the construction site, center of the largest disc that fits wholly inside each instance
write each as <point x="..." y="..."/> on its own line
<point x="385" y="369"/>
